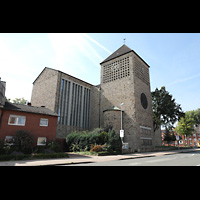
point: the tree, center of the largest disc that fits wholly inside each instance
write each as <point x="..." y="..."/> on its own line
<point x="169" y="136"/>
<point x="165" y="110"/>
<point x="186" y="124"/>
<point x="20" y="101"/>
<point x="195" y="115"/>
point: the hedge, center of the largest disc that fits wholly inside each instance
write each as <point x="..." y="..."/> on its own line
<point x="33" y="156"/>
<point x="82" y="141"/>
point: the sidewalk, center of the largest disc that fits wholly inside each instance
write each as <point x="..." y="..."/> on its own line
<point x="76" y="158"/>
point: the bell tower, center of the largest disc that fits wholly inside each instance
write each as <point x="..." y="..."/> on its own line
<point x="125" y="79"/>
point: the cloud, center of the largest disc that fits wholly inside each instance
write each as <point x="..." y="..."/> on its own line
<point x="94" y="41"/>
<point x="23" y="57"/>
<point x="183" y="80"/>
<point x="70" y="48"/>
<point x="74" y="52"/>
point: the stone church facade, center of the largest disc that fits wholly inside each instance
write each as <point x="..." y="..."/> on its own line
<point x="83" y="106"/>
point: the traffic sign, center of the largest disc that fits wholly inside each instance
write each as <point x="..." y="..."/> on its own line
<point x="121" y="133"/>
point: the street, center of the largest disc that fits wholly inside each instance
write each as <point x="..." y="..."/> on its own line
<point x="180" y="159"/>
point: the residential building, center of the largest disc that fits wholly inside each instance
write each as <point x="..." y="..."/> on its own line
<point x="192" y="141"/>
<point x="39" y="121"/>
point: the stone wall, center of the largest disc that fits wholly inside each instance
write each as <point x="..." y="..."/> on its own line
<point x="137" y="121"/>
<point x="44" y="92"/>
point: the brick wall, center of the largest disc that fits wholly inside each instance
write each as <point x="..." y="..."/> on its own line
<point x="32" y="125"/>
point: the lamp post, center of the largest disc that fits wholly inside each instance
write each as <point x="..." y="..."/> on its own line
<point x="121" y="114"/>
<point x="121" y="131"/>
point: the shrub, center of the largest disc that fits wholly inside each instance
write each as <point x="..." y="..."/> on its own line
<point x="114" y="141"/>
<point x="54" y="145"/>
<point x="2" y="149"/>
<point x="36" y="156"/>
<point x="107" y="147"/>
<point x="77" y="141"/>
<point x="23" y="141"/>
<point x="82" y="141"/>
<point x="96" y="148"/>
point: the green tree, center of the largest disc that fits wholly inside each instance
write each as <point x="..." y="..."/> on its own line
<point x="165" y="110"/>
<point x="20" y="101"/>
<point x="195" y="115"/>
<point x="169" y="136"/>
<point x="185" y="125"/>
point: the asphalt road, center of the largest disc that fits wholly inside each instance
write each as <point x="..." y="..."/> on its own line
<point x="181" y="159"/>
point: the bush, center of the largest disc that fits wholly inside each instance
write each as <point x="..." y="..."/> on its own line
<point x="82" y="141"/>
<point x="36" y="156"/>
<point x="114" y="141"/>
<point x="96" y="148"/>
<point x="54" y="146"/>
<point x="2" y="149"/>
<point x="23" y="141"/>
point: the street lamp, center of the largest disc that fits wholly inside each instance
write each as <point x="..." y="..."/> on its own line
<point x="121" y="131"/>
<point x="121" y="114"/>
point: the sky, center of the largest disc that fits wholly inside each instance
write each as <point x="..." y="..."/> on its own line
<point x="174" y="59"/>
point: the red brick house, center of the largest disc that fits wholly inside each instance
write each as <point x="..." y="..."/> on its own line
<point x="191" y="141"/>
<point x="39" y="121"/>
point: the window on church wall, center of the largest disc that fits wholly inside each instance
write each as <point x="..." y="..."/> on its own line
<point x="116" y="70"/>
<point x="146" y="142"/>
<point x="141" y="71"/>
<point x="74" y="105"/>
<point x="145" y="131"/>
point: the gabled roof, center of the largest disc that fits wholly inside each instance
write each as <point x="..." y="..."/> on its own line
<point x="121" y="51"/>
<point x="62" y="73"/>
<point x="29" y="109"/>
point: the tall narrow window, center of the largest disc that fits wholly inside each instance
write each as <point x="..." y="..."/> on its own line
<point x="74" y="105"/>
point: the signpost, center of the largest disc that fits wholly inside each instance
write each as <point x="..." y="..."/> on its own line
<point x="121" y="133"/>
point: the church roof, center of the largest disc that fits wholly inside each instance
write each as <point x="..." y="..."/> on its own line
<point x="28" y="109"/>
<point x="121" y="51"/>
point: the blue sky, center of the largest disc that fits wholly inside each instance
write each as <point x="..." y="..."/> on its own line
<point x="174" y="59"/>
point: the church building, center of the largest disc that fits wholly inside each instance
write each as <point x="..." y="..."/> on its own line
<point x="122" y="100"/>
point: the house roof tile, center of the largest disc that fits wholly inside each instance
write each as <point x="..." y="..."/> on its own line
<point x="29" y="109"/>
